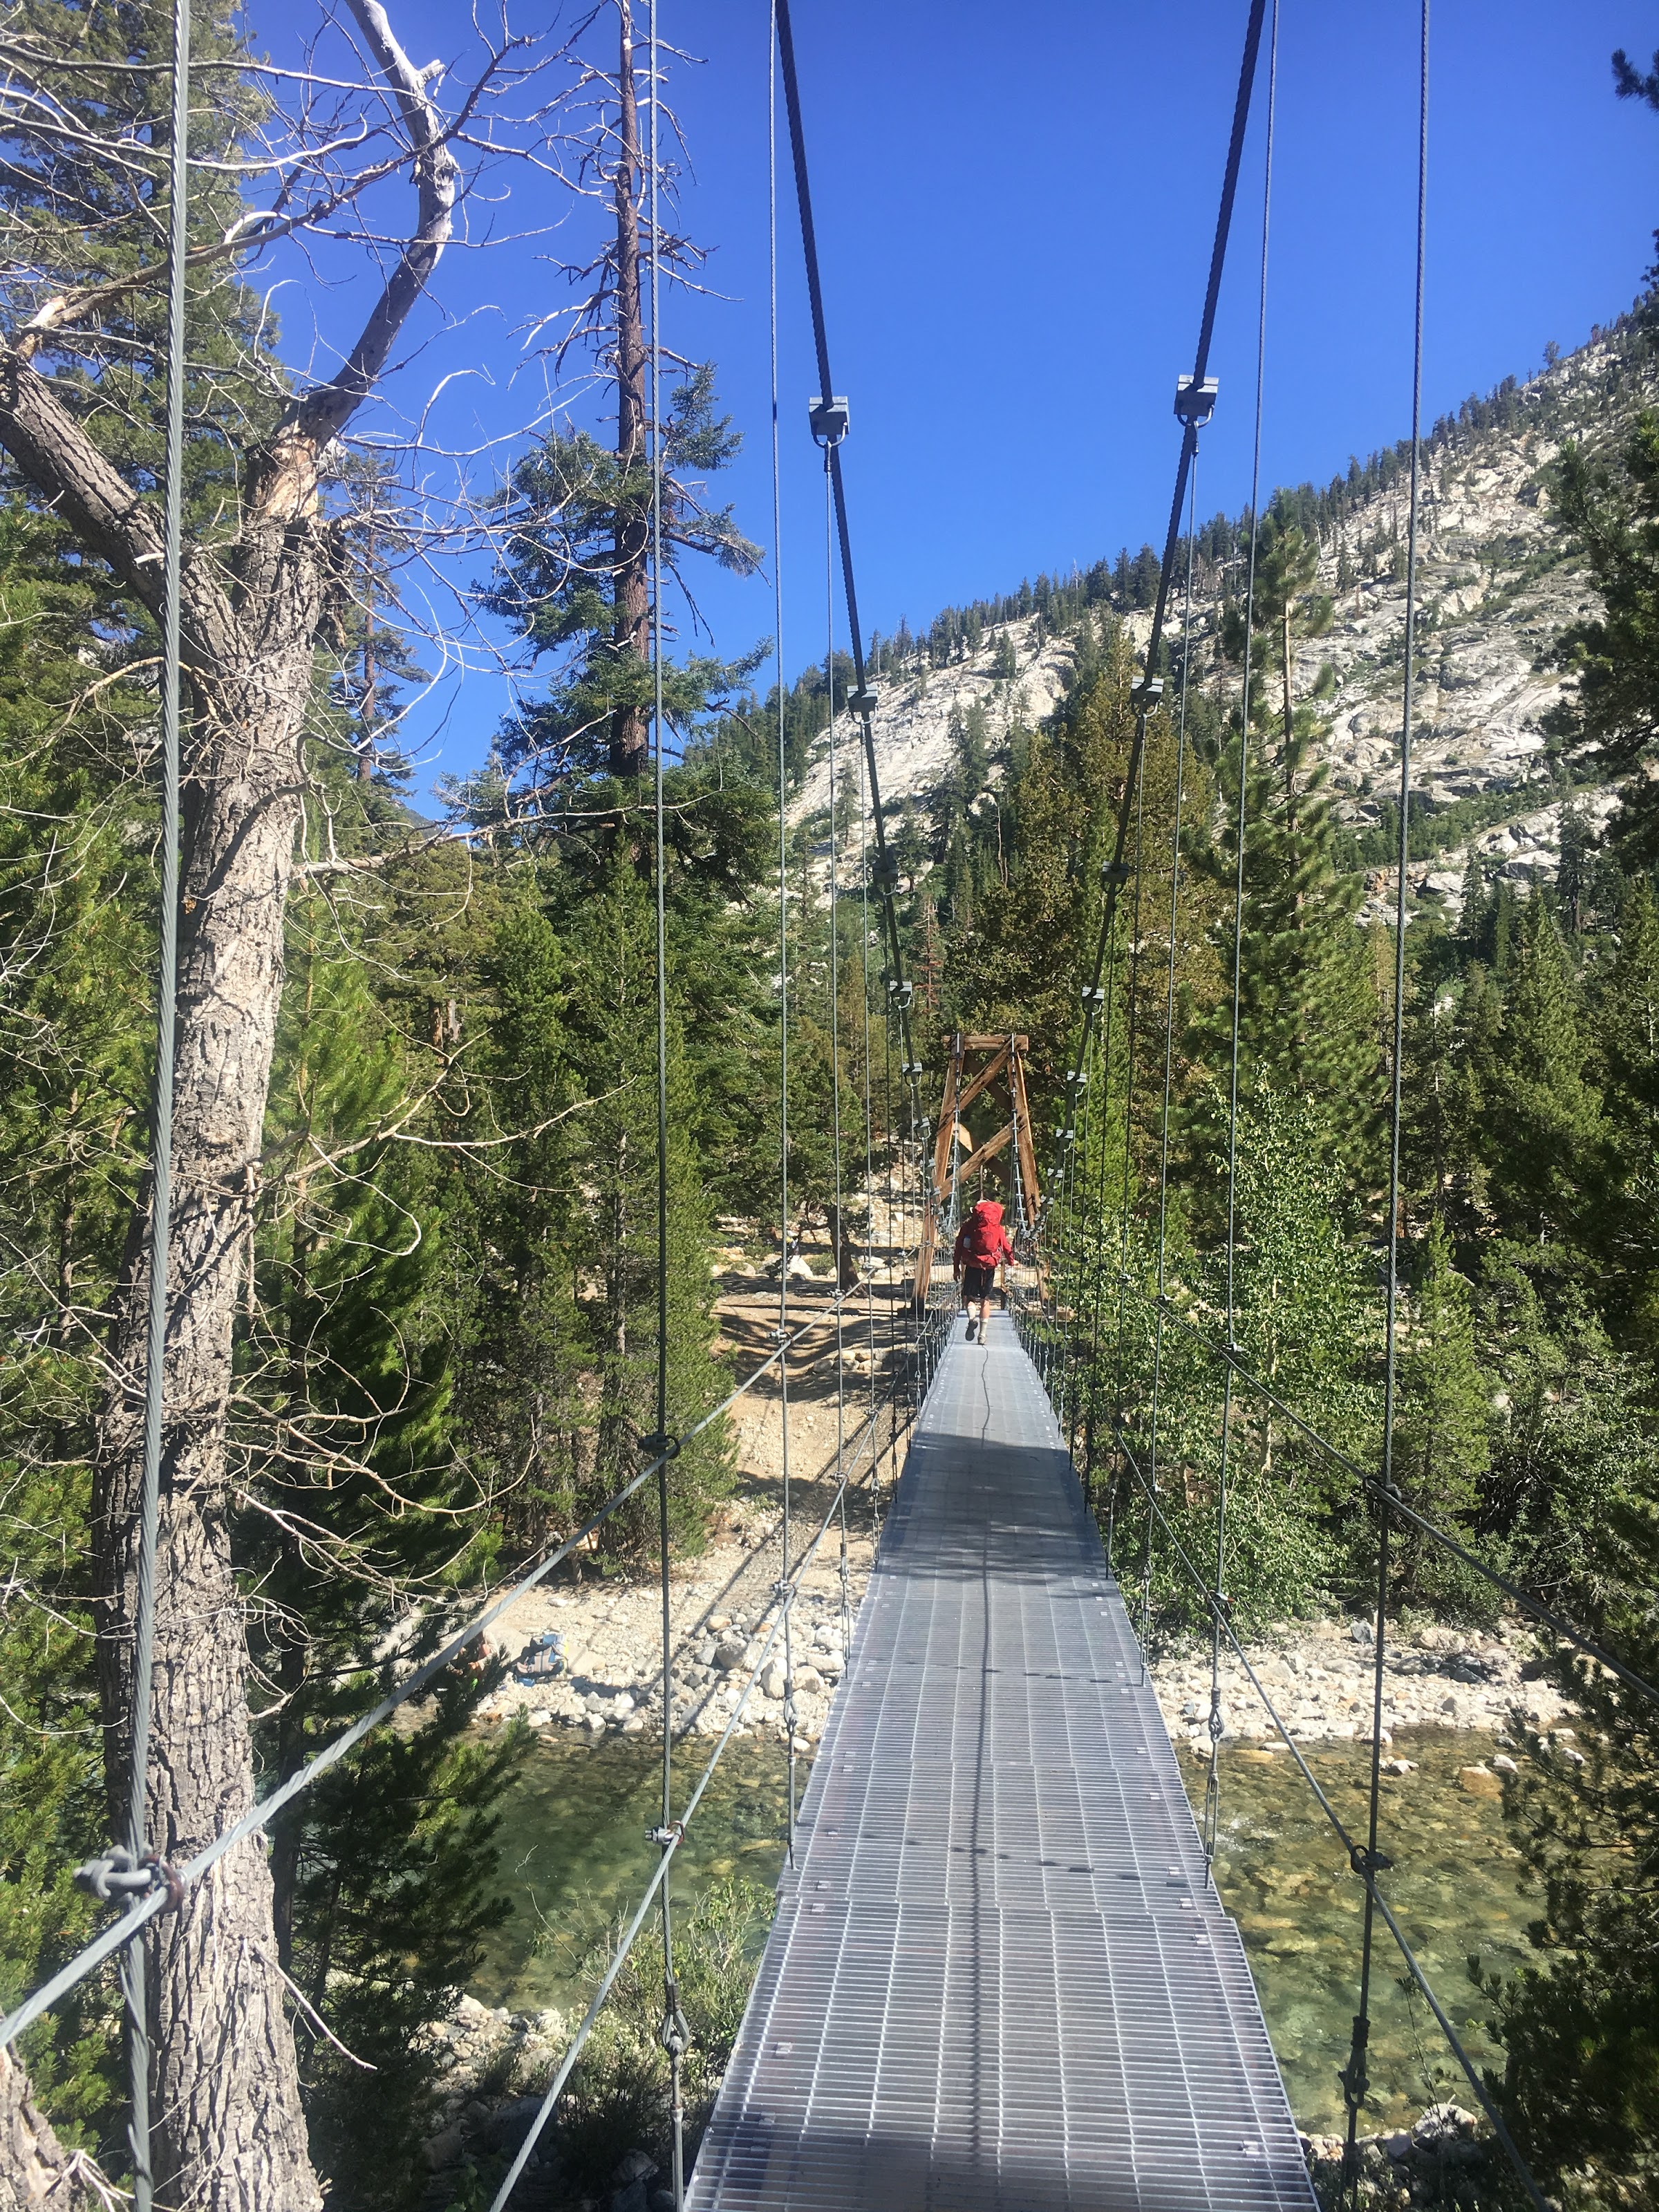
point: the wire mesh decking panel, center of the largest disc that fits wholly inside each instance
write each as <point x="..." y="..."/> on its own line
<point x="998" y="1977"/>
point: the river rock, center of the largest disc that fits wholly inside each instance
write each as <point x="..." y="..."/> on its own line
<point x="772" y="1681"/>
<point x="729" y="1651"/>
<point x="1479" y="1782"/>
<point x="808" y="1678"/>
<point x="443" y="2149"/>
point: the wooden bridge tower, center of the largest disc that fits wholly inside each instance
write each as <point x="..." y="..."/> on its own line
<point x="993" y="1064"/>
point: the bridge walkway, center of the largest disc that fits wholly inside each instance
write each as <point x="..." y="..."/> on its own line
<point x="998" y="1978"/>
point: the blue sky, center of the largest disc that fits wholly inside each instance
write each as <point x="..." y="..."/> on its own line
<point x="1015" y="208"/>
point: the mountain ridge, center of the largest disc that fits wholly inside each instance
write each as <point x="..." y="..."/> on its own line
<point x="1497" y="581"/>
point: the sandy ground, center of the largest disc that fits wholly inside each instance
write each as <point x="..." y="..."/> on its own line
<point x="723" y="1601"/>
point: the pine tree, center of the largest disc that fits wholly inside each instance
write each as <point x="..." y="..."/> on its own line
<point x="1309" y="1013"/>
<point x="1541" y="1116"/>
<point x="610" y="1018"/>
<point x="1580" y="2030"/>
<point x="570" y="593"/>
<point x="1442" y="1445"/>
<point x="1624" y="1012"/>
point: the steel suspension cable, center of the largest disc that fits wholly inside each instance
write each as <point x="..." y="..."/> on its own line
<point x="783" y="864"/>
<point x="838" y="1241"/>
<point x="1169" y="988"/>
<point x="1171" y="540"/>
<point x="1355" y="2074"/>
<point x="1105" y="1063"/>
<point x="1131" y="1025"/>
<point x="675" y="2037"/>
<point x="1217" y="1729"/>
<point x="869" y="1129"/>
<point x="864" y="698"/>
<point x="142" y="1689"/>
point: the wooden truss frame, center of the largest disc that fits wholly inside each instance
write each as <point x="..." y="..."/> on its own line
<point x="1001" y="1061"/>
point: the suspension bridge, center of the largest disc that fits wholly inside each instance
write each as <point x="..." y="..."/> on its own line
<point x="1000" y="1973"/>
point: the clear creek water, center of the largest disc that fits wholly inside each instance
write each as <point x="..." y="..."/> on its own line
<point x="575" y="1855"/>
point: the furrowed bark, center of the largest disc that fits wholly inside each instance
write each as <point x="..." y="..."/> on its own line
<point x="230" y="2133"/>
<point x="37" y="2174"/>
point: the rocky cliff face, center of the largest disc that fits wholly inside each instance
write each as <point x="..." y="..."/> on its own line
<point x="1497" y="584"/>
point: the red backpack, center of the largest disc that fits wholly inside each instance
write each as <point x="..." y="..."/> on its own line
<point x="986" y="1239"/>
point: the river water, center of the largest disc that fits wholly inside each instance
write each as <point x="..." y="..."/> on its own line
<point x="575" y="1855"/>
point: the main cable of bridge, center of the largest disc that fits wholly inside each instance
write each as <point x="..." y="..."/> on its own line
<point x="830" y="426"/>
<point x="1194" y="398"/>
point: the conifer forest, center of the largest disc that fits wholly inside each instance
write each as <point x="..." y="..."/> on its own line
<point x="439" y="1250"/>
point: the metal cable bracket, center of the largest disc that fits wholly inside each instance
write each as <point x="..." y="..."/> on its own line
<point x="119" y="1875"/>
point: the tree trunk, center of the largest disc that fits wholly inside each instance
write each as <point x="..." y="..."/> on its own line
<point x="36" y="2172"/>
<point x="840" y="1244"/>
<point x="229" y="2129"/>
<point x="631" y="628"/>
<point x="230" y="2134"/>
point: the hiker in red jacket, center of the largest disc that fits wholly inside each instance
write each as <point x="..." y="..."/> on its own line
<point x="981" y="1245"/>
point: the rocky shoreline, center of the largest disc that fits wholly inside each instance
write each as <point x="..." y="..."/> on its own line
<point x="1320" y="1675"/>
<point x="1442" y="2159"/>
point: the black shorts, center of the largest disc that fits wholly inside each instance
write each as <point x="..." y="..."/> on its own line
<point x="977" y="1284"/>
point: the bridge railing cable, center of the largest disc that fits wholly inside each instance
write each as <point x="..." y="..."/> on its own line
<point x="1364" y="1858"/>
<point x="167" y="1883"/>
<point x="674" y="1831"/>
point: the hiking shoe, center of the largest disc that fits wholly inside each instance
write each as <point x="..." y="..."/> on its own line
<point x="972" y="1326"/>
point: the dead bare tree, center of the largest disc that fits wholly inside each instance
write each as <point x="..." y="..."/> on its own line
<point x="78" y="345"/>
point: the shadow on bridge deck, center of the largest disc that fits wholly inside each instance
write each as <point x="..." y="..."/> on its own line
<point x="998" y="1978"/>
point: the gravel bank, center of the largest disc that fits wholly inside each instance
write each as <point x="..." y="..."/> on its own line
<point x="1319" y="1674"/>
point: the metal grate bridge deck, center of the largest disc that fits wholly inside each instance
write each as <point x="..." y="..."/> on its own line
<point x="999" y="1980"/>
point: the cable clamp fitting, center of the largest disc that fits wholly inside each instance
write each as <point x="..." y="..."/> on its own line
<point x="912" y="1071"/>
<point x="1078" y="1077"/>
<point x="1114" y="872"/>
<point x="662" y="1838"/>
<point x="864" y="699"/>
<point x="1093" y="994"/>
<point x="901" y="991"/>
<point x="1366" y="1863"/>
<point x="1147" y="693"/>
<point x="828" y="418"/>
<point x="1194" y="400"/>
<point x="119" y="1874"/>
<point x="676" y="2035"/>
<point x="660" y="1445"/>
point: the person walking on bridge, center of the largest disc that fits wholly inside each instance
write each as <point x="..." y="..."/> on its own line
<point x="982" y="1246"/>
